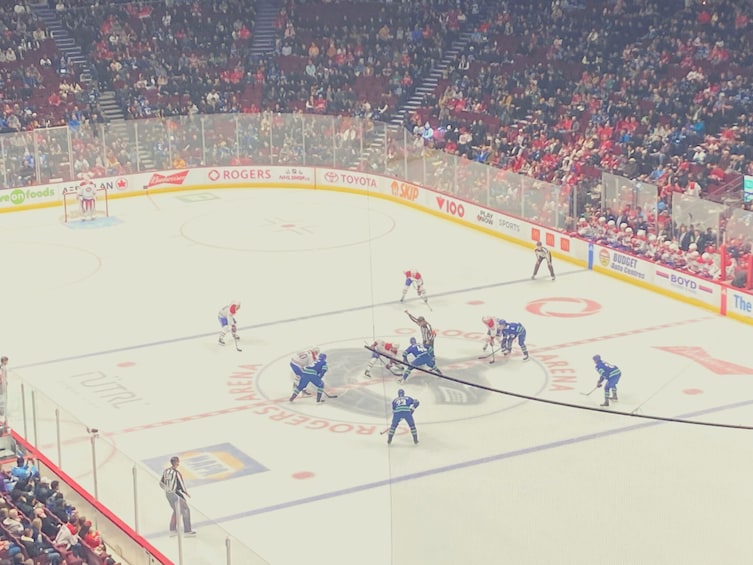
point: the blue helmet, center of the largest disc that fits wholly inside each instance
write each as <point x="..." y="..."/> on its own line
<point x="597" y="358"/>
<point x="322" y="357"/>
<point x="400" y="392"/>
<point x="413" y="341"/>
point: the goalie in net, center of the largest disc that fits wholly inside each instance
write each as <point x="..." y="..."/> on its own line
<point x="85" y="202"/>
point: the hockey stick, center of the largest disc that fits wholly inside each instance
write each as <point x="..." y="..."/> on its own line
<point x="330" y="395"/>
<point x="493" y="359"/>
<point x="589" y="392"/>
<point x="487" y="355"/>
<point x="384" y="431"/>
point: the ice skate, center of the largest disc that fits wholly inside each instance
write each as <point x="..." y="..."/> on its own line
<point x="605" y="403"/>
<point x="553" y="277"/>
<point x="525" y="358"/>
<point x="367" y="373"/>
<point x="221" y="341"/>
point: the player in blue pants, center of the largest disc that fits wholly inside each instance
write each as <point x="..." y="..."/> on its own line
<point x="510" y="332"/>
<point x="422" y="357"/>
<point x="609" y="373"/>
<point x="312" y="374"/>
<point x="402" y="409"/>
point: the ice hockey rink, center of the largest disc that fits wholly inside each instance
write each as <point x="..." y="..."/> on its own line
<point x="132" y="304"/>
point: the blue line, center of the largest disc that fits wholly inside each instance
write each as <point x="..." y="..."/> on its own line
<point x="274" y="323"/>
<point x="456" y="466"/>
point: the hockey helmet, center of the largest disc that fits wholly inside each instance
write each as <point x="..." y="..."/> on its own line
<point x="394" y="347"/>
<point x="421" y="319"/>
<point x="502" y="322"/>
<point x="413" y="341"/>
<point x="322" y="357"/>
<point x="400" y="392"/>
<point x="538" y="244"/>
<point x="597" y="358"/>
<point x="488" y="321"/>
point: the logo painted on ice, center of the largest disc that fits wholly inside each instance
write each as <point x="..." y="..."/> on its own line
<point x="703" y="358"/>
<point x="563" y="307"/>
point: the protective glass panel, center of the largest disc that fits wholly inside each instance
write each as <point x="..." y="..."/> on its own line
<point x="154" y="145"/>
<point x="54" y="155"/>
<point x="253" y="139"/>
<point x="696" y="215"/>
<point x="220" y="140"/>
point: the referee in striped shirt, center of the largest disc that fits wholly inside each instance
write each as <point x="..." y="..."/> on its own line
<point x="175" y="491"/>
<point x="542" y="254"/>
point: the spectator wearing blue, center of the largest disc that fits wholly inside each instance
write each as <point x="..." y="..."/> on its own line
<point x="22" y="470"/>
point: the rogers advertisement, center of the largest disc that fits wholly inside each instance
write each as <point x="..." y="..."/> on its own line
<point x="264" y="174"/>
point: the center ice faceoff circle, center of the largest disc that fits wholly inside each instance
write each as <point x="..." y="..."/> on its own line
<point x="305" y="226"/>
<point x="366" y="400"/>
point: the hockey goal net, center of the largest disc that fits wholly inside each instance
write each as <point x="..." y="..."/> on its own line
<point x="85" y="202"/>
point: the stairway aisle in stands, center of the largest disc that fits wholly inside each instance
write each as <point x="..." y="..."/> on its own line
<point x="431" y="81"/>
<point x="263" y="30"/>
<point x="65" y="43"/>
<point x="427" y="85"/>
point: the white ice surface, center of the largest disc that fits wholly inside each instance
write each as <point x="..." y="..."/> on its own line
<point x="495" y="479"/>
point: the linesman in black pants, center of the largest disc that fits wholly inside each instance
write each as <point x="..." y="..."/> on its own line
<point x="542" y="254"/>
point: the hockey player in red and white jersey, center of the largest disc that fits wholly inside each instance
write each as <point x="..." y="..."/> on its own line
<point x="413" y="277"/>
<point x="300" y="361"/>
<point x="639" y="243"/>
<point x="87" y="197"/>
<point x="390" y="350"/>
<point x="226" y="317"/>
<point x="494" y="327"/>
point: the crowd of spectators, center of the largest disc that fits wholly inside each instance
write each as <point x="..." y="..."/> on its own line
<point x="38" y="526"/>
<point x="556" y="90"/>
<point x="654" y="91"/>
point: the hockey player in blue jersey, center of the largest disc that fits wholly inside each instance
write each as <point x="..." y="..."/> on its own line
<point x="510" y="332"/>
<point x="609" y="373"/>
<point x="402" y="409"/>
<point x="312" y="374"/>
<point x="422" y="357"/>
